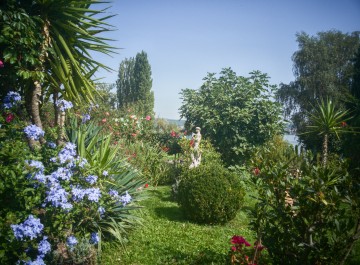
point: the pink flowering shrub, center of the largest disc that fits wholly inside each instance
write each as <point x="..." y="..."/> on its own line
<point x="242" y="253"/>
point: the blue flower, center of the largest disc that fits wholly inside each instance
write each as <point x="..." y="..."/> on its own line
<point x="68" y="153"/>
<point x="91" y="179"/>
<point x="85" y="118"/>
<point x="125" y="199"/>
<point x="94" y="238"/>
<point x="62" y="173"/>
<point x="114" y="194"/>
<point x="44" y="247"/>
<point x="78" y="193"/>
<point x="33" y="132"/>
<point x="64" y="104"/>
<point x="51" y="145"/>
<point x="38" y="261"/>
<point x="11" y="99"/>
<point x="35" y="164"/>
<point x="58" y="197"/>
<point x="83" y="162"/>
<point x="93" y="194"/>
<point x="105" y="173"/>
<point x="31" y="227"/>
<point x="71" y="241"/>
<point x="101" y="211"/>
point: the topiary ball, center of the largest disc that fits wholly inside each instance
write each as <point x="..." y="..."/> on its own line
<point x="210" y="194"/>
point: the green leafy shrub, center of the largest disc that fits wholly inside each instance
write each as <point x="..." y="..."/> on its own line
<point x="305" y="211"/>
<point x="210" y="194"/>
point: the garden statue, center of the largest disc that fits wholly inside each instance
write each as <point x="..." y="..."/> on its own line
<point x="196" y="154"/>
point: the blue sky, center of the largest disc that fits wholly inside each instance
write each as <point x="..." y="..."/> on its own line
<point x="186" y="39"/>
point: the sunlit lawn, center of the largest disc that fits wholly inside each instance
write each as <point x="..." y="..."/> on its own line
<point x="167" y="238"/>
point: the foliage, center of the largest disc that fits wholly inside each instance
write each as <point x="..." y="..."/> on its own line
<point x="235" y="113"/>
<point x="324" y="68"/>
<point x="65" y="195"/>
<point x="300" y="197"/>
<point x="134" y="85"/>
<point x="210" y="194"/>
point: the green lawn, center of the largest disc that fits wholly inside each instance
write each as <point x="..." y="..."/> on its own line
<point x="167" y="238"/>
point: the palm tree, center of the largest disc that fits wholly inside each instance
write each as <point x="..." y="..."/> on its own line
<point x="66" y="32"/>
<point x="327" y="120"/>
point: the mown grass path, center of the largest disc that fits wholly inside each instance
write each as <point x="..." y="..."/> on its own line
<point x="167" y="238"/>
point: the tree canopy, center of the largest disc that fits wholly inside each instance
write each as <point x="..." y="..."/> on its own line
<point x="236" y="113"/>
<point x="323" y="68"/>
<point x="134" y="84"/>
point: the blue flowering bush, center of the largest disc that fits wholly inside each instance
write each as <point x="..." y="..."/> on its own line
<point x="60" y="202"/>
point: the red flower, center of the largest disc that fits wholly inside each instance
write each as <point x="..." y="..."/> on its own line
<point x="239" y="240"/>
<point x="256" y="171"/>
<point x="173" y="134"/>
<point x="148" y="118"/>
<point x="233" y="248"/>
<point x="146" y="185"/>
<point x="133" y="134"/>
<point x="9" y="117"/>
<point x="343" y="124"/>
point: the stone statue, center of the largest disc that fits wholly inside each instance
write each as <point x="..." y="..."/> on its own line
<point x="196" y="154"/>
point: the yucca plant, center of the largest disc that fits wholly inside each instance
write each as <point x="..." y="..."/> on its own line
<point x="327" y="120"/>
<point x="105" y="160"/>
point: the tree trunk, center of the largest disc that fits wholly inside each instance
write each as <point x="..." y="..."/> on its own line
<point x="61" y="134"/>
<point x="35" y="109"/>
<point x="325" y="149"/>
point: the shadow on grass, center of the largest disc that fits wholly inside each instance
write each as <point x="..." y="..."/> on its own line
<point x="172" y="213"/>
<point x="163" y="196"/>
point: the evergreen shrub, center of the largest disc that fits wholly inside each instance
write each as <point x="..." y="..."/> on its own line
<point x="210" y="194"/>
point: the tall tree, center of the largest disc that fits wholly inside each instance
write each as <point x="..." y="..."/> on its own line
<point x="323" y="68"/>
<point x="143" y="83"/>
<point x="234" y="112"/>
<point x="125" y="83"/>
<point x="134" y="84"/>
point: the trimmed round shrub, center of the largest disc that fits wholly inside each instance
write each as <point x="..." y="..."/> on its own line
<point x="210" y="194"/>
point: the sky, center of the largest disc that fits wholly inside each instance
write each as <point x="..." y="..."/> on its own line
<point x="186" y="39"/>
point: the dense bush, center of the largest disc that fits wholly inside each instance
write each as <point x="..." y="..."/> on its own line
<point x="305" y="211"/>
<point x="210" y="194"/>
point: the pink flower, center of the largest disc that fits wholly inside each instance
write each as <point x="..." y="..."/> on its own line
<point x="239" y="240"/>
<point x="148" y="118"/>
<point x="103" y="120"/>
<point x="173" y="134"/>
<point x="9" y="117"/>
<point x="233" y="248"/>
<point x="133" y="134"/>
<point x="1" y="64"/>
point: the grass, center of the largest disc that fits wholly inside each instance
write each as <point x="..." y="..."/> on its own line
<point x="167" y="238"/>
